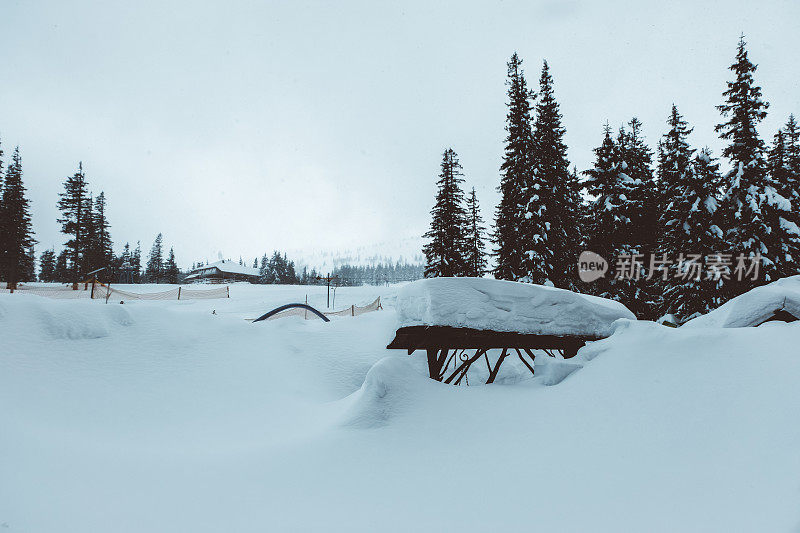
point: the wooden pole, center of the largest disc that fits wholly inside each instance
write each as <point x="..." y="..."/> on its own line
<point x="228" y="290"/>
<point x="179" y="293"/>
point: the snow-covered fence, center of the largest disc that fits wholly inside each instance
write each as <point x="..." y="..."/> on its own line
<point x="353" y="310"/>
<point x="98" y="291"/>
<point x="179" y="293"/>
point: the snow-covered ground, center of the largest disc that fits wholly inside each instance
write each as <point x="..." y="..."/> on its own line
<point x="161" y="416"/>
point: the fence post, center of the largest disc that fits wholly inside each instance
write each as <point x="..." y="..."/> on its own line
<point x="353" y="310"/>
<point x="228" y="290"/>
<point x="179" y="293"/>
<point x="108" y="292"/>
<point x="91" y="295"/>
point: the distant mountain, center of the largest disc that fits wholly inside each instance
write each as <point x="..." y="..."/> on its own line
<point x="405" y="250"/>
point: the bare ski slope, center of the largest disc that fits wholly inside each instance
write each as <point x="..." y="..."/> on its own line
<point x="161" y="416"/>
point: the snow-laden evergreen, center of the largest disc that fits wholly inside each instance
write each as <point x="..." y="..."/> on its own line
<point x="553" y="196"/>
<point x="16" y="232"/>
<point x="516" y="180"/>
<point x="445" y="251"/>
<point x="752" y="208"/>
<point x="75" y="206"/>
<point x="155" y="261"/>
<point x="690" y="235"/>
<point x="784" y="175"/>
<point x="475" y="253"/>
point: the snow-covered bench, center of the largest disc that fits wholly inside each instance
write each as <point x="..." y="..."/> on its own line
<point x="448" y="316"/>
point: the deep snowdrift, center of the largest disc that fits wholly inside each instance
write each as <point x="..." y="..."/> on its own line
<point x="481" y="303"/>
<point x="753" y="307"/>
<point x="159" y="416"/>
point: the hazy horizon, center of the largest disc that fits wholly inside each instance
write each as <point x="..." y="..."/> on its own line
<point x="244" y="128"/>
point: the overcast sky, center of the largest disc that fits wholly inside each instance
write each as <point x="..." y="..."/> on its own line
<point x="241" y="126"/>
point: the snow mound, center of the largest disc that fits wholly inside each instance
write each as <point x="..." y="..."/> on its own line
<point x="753" y="307"/>
<point x="552" y="371"/>
<point x="497" y="305"/>
<point x="388" y="387"/>
<point x="24" y="315"/>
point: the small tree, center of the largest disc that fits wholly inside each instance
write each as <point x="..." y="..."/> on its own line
<point x="47" y="265"/>
<point x="171" y="270"/>
<point x="445" y="251"/>
<point x="136" y="262"/>
<point x="750" y="208"/>
<point x="516" y="174"/>
<point x="75" y="206"/>
<point x="62" y="271"/>
<point x="103" y="252"/>
<point x="476" y="246"/>
<point x="16" y="233"/>
<point x="155" y="262"/>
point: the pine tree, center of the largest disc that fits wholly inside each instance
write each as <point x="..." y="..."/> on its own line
<point x="476" y="247"/>
<point x="2" y="221"/>
<point x="155" y="261"/>
<point x="74" y="205"/>
<point x="751" y="207"/>
<point x="608" y="228"/>
<point x="16" y="233"/>
<point x="445" y="252"/>
<point x="89" y="260"/>
<point x="785" y="182"/>
<point x="792" y="140"/>
<point x="516" y="174"/>
<point x="103" y="253"/>
<point x="675" y="176"/>
<point x="553" y="196"/>
<point x="136" y="262"/>
<point x="171" y="270"/>
<point x="62" y="271"/>
<point x="690" y="234"/>
<point x="47" y="265"/>
<point x="29" y="265"/>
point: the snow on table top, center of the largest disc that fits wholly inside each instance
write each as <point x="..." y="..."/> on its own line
<point x="489" y="304"/>
<point x="753" y="307"/>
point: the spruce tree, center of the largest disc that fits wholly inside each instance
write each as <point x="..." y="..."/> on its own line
<point x="445" y="251"/>
<point x="62" y="271"/>
<point x="751" y="208"/>
<point x="675" y="174"/>
<point x="792" y="140"/>
<point x="638" y="210"/>
<point x="608" y="227"/>
<point x="47" y="265"/>
<point x="103" y="252"/>
<point x="171" y="270"/>
<point x="155" y="261"/>
<point x="476" y="247"/>
<point x="690" y="234"/>
<point x="553" y="196"/>
<point x="29" y="265"/>
<point x="2" y="221"/>
<point x="75" y="206"/>
<point x="136" y="262"/>
<point x="16" y="233"/>
<point x="516" y="174"/>
<point x="784" y="181"/>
